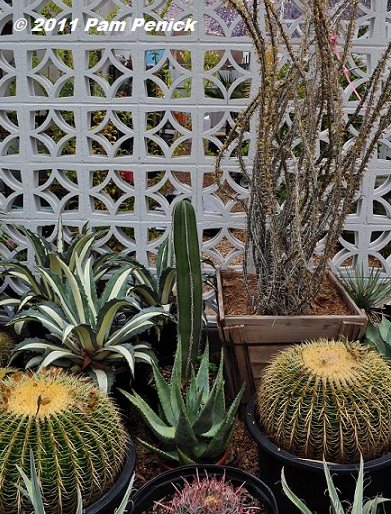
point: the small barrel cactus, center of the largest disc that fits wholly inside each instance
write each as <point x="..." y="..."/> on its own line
<point x="328" y="399"/>
<point x="74" y="431"/>
<point x="209" y="495"/>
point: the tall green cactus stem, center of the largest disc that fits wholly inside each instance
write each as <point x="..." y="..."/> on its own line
<point x="74" y="431"/>
<point x="328" y="399"/>
<point x="189" y="282"/>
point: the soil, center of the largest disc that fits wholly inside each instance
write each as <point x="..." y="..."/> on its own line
<point x="236" y="303"/>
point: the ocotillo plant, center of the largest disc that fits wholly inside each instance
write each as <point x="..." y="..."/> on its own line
<point x="310" y="149"/>
<point x="189" y="282"/>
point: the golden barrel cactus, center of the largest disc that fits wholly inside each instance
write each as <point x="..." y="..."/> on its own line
<point x="74" y="430"/>
<point x="328" y="399"/>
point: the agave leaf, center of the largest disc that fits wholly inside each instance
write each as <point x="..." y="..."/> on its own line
<point x="166" y="285"/>
<point x="57" y="354"/>
<point x="176" y="399"/>
<point x="137" y="324"/>
<point x="334" y="500"/>
<point x="26" y="299"/>
<point x="144" y="277"/>
<point x="161" y="430"/>
<point x="106" y="316"/>
<point x="54" y="265"/>
<point x="60" y="236"/>
<point x="184" y="433"/>
<point x="40" y="245"/>
<point x="385" y="330"/>
<point x="127" y="353"/>
<point x="79" y="248"/>
<point x="23" y="273"/>
<point x="76" y="288"/>
<point x="10" y="302"/>
<point x="222" y="432"/>
<point x="32" y="486"/>
<point x="60" y="292"/>
<point x="202" y="377"/>
<point x="116" y="286"/>
<point x="165" y="256"/>
<point x="213" y="412"/>
<point x="144" y="353"/>
<point x="34" y="362"/>
<point x="84" y="273"/>
<point x="104" y="378"/>
<point x="32" y="344"/>
<point x="52" y="311"/>
<point x="291" y="495"/>
<point x="144" y="293"/>
<point x="124" y="503"/>
<point x="36" y="315"/>
<point x="163" y="391"/>
<point x="85" y="337"/>
<point x="164" y="454"/>
<point x="193" y="399"/>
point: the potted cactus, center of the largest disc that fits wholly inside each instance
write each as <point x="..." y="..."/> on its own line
<point x="323" y="399"/>
<point x="208" y="488"/>
<point x="303" y="167"/>
<point x="76" y="437"/>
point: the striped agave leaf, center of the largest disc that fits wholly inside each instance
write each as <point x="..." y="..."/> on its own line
<point x="32" y="490"/>
<point x="81" y="323"/>
<point x="358" y="506"/>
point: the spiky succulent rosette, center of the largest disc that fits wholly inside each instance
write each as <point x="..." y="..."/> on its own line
<point x="75" y="433"/>
<point x="327" y="398"/>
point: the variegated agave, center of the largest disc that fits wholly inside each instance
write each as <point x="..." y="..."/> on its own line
<point x="32" y="491"/>
<point x="36" y="287"/>
<point x="82" y="322"/>
<point x="359" y="506"/>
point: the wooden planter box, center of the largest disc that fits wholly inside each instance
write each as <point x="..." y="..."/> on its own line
<point x="250" y="341"/>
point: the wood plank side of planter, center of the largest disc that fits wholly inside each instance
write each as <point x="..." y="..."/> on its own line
<point x="251" y="341"/>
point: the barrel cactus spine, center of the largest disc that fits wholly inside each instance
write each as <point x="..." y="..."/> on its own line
<point x="74" y="431"/>
<point x="327" y="398"/>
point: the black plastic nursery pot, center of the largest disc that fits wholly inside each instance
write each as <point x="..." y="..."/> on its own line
<point x="111" y="500"/>
<point x="306" y="478"/>
<point x="163" y="485"/>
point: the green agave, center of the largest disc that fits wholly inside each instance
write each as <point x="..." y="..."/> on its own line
<point x="378" y="335"/>
<point x="74" y="432"/>
<point x="328" y="399"/>
<point x="193" y="425"/>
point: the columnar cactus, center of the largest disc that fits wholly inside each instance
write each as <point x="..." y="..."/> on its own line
<point x="189" y="282"/>
<point x="328" y="399"/>
<point x="74" y="431"/>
